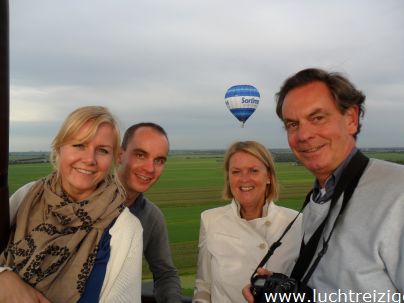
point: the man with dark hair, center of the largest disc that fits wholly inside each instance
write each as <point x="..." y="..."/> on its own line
<point x="143" y="155"/>
<point x="353" y="241"/>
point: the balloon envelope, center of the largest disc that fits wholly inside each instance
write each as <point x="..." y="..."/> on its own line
<point x="242" y="100"/>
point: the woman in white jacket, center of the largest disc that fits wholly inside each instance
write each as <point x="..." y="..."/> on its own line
<point x="234" y="238"/>
<point x="72" y="238"/>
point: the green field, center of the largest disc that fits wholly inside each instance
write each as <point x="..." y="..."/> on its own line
<point x="189" y="185"/>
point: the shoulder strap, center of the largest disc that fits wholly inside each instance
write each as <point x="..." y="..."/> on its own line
<point x="275" y="245"/>
<point x="347" y="184"/>
<point x="278" y="243"/>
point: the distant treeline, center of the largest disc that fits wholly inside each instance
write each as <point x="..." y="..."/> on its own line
<point x="28" y="157"/>
<point x="280" y="155"/>
<point x="395" y="154"/>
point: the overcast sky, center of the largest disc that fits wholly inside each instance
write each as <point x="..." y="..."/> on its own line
<point x="171" y="62"/>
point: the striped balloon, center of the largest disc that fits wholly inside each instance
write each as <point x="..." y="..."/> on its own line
<point x="242" y="100"/>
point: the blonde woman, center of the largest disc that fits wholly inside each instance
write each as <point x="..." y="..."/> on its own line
<point x="234" y="238"/>
<point x="72" y="238"/>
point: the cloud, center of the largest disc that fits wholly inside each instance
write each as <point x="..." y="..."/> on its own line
<point x="172" y="61"/>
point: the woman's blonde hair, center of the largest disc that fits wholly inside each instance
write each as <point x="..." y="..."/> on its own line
<point x="261" y="153"/>
<point x="95" y="116"/>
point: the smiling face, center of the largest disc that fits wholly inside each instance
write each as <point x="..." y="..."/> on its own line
<point x="83" y="165"/>
<point x="248" y="180"/>
<point x="143" y="161"/>
<point x="320" y="136"/>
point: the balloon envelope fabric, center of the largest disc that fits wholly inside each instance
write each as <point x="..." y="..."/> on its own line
<point x="242" y="100"/>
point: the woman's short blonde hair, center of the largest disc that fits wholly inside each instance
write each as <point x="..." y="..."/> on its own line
<point x="95" y="115"/>
<point x="261" y="153"/>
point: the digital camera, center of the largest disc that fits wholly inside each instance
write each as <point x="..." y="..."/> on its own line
<point x="275" y="283"/>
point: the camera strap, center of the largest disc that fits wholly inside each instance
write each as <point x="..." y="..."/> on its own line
<point x="347" y="184"/>
<point x="275" y="245"/>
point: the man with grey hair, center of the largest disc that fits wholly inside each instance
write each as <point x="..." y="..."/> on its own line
<point x="353" y="241"/>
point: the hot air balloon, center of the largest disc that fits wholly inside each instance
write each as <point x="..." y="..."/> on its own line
<point x="242" y="100"/>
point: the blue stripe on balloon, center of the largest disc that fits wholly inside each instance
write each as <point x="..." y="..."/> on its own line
<point x="242" y="90"/>
<point x="242" y="114"/>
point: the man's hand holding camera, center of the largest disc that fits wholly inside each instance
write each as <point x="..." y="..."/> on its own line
<point x="247" y="289"/>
